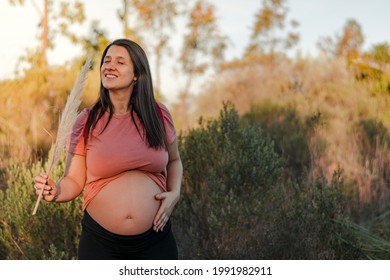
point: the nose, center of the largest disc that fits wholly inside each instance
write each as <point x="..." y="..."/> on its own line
<point x="109" y="65"/>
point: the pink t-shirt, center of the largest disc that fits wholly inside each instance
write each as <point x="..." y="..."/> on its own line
<point x="118" y="149"/>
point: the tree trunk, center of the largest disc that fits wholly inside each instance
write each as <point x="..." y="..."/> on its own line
<point x="125" y="19"/>
<point x="158" y="64"/>
<point x="45" y="33"/>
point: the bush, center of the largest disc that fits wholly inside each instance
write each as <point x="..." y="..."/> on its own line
<point x="305" y="222"/>
<point x="228" y="170"/>
<point x="290" y="133"/>
<point x="236" y="205"/>
<point x="51" y="234"/>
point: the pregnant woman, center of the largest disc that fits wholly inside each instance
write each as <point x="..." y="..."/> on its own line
<point x="123" y="153"/>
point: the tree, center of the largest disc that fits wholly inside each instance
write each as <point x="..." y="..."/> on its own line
<point x="155" y="18"/>
<point x="347" y="45"/>
<point x="378" y="59"/>
<point x="203" y="49"/>
<point x="65" y="16"/>
<point x="128" y="31"/>
<point x="381" y="52"/>
<point x="44" y="24"/>
<point x="96" y="41"/>
<point x="267" y="35"/>
<point x="15" y="2"/>
<point x="204" y="45"/>
<point x="45" y="32"/>
<point x="351" y="41"/>
<point x="327" y="46"/>
<point x="374" y="65"/>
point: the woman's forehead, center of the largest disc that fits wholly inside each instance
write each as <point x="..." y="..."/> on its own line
<point x="117" y="52"/>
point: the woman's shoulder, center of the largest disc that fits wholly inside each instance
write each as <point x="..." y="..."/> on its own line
<point x="163" y="108"/>
<point x="82" y="117"/>
<point x="76" y="142"/>
<point x="168" y="122"/>
<point x="84" y="112"/>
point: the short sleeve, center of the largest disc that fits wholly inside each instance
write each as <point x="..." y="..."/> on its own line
<point x="76" y="143"/>
<point x="170" y="130"/>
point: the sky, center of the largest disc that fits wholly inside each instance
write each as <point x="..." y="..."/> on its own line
<point x="317" y="18"/>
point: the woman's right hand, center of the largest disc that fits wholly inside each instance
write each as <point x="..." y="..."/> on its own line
<point x="50" y="189"/>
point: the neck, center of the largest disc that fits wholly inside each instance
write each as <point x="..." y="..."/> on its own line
<point x="120" y="112"/>
<point x="120" y="102"/>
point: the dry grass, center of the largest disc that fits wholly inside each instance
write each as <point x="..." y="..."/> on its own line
<point x="67" y="119"/>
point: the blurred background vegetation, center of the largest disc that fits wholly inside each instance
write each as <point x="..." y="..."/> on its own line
<point x="285" y="157"/>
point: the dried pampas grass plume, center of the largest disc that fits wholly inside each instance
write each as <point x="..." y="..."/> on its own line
<point x="67" y="120"/>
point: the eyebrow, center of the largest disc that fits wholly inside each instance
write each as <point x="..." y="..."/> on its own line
<point x="118" y="57"/>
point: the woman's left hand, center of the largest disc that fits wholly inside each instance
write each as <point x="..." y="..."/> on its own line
<point x="168" y="201"/>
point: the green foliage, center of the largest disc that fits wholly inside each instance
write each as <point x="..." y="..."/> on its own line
<point x="289" y="132"/>
<point x="228" y="170"/>
<point x="381" y="52"/>
<point x="305" y="226"/>
<point x="368" y="245"/>
<point x="373" y="67"/>
<point x="51" y="234"/>
<point x="236" y="205"/>
<point x="380" y="225"/>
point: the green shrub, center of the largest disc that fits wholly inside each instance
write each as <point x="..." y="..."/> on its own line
<point x="359" y="239"/>
<point x="51" y="234"/>
<point x="228" y="170"/>
<point x="236" y="205"/>
<point x="304" y="224"/>
<point x="290" y="132"/>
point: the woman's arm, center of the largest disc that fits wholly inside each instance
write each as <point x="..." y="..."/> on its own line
<point x="69" y="186"/>
<point x="171" y="197"/>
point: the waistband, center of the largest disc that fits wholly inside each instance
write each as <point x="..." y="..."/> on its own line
<point x="130" y="242"/>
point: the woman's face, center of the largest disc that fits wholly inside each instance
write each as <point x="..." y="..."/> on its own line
<point x="117" y="71"/>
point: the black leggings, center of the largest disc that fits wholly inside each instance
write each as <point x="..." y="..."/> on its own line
<point x="97" y="243"/>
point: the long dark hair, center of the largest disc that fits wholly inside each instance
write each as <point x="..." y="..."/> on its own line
<point x="142" y="100"/>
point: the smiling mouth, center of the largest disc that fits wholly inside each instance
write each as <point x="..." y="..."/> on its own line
<point x="110" y="76"/>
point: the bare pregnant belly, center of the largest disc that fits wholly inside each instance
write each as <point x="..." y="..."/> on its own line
<point x="126" y="205"/>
